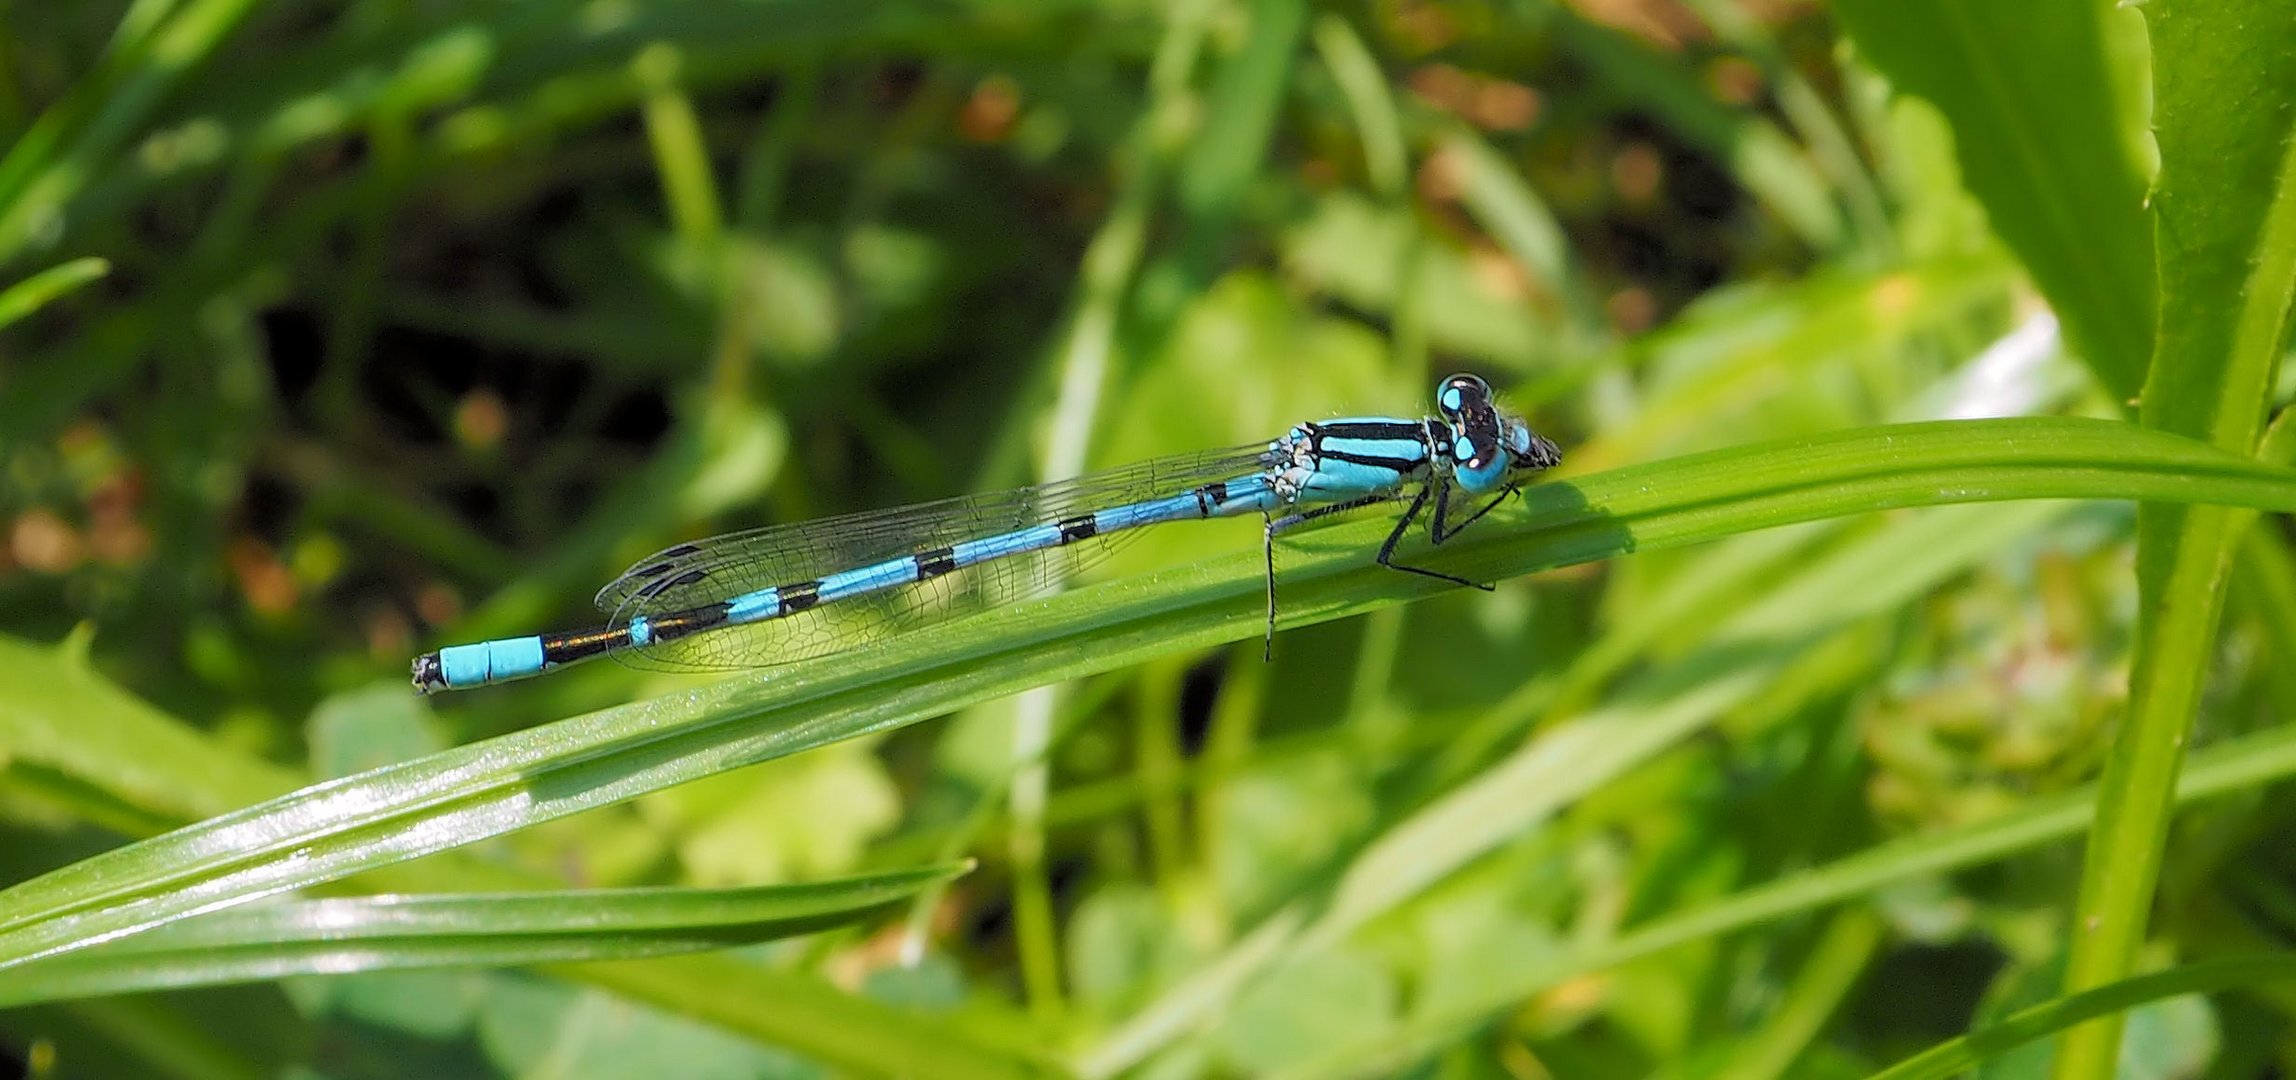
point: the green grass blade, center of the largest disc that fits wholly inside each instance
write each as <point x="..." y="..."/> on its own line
<point x="69" y="147"/>
<point x="2226" y="228"/>
<point x="1240" y="112"/>
<point x="1369" y="100"/>
<point x="1956" y="1057"/>
<point x="41" y="289"/>
<point x="1492" y="189"/>
<point x="1834" y="967"/>
<point x="338" y="935"/>
<point x="486" y="789"/>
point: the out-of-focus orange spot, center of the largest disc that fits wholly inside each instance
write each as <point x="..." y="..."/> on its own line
<point x="438" y="605"/>
<point x="1425" y="27"/>
<point x="119" y="540"/>
<point x="1319" y="172"/>
<point x="122" y="491"/>
<point x="263" y="579"/>
<point x="1735" y="80"/>
<point x="1440" y="179"/>
<point x="45" y="543"/>
<point x="1663" y="23"/>
<point x="1443" y="86"/>
<point x="116" y="534"/>
<point x="1635" y="173"/>
<point x="1499" y="275"/>
<point x="1505" y="106"/>
<point x="988" y="115"/>
<point x="1486" y="102"/>
<point x="481" y="420"/>
<point x="1632" y="310"/>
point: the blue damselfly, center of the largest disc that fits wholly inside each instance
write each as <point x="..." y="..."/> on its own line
<point x="807" y="589"/>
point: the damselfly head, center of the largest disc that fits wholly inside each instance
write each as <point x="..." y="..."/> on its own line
<point x="1486" y="444"/>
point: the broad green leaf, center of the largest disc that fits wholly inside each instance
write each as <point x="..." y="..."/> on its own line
<point x="2224" y="212"/>
<point x="373" y="726"/>
<point x="67" y="731"/>
<point x="2225" y="229"/>
<point x="2044" y="131"/>
<point x="339" y="935"/>
<point x="552" y="1028"/>
<point x="1303" y="1006"/>
<point x="789" y="820"/>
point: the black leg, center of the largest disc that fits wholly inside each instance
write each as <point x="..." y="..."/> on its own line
<point x="1403" y="525"/>
<point x="1443" y="531"/>
<point x="1268" y="548"/>
<point x="1285" y="523"/>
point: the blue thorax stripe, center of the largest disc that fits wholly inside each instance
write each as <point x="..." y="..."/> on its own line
<point x="1339" y="478"/>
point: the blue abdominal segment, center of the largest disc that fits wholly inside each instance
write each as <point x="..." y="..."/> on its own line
<point x="869" y="579"/>
<point x="463" y="666"/>
<point x="1176" y="508"/>
<point x="754" y="606"/>
<point x="972" y="552"/>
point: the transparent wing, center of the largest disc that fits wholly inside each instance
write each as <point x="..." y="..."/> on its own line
<point x="702" y="572"/>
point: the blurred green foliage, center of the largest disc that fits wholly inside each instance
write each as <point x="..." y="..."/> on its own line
<point x="336" y="332"/>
